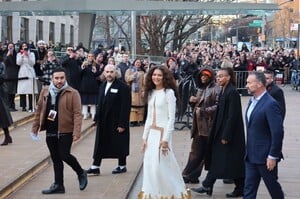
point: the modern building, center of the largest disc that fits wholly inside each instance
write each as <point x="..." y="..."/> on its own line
<point x="52" y="29"/>
<point x="282" y="28"/>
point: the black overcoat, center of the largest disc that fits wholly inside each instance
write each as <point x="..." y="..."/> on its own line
<point x="5" y="116"/>
<point x="226" y="161"/>
<point x="113" y="111"/>
<point x="12" y="70"/>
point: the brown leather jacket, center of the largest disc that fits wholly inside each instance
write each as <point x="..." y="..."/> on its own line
<point x="69" y="112"/>
<point x="204" y="109"/>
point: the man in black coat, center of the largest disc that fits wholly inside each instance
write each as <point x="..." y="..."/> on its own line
<point x="112" y="118"/>
<point x="226" y="143"/>
<point x="275" y="91"/>
<point x="72" y="65"/>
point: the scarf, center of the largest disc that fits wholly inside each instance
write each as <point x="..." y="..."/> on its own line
<point x="54" y="91"/>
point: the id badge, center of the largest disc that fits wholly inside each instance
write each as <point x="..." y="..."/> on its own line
<point x="52" y="115"/>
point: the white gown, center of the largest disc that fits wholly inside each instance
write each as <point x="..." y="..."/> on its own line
<point x="162" y="175"/>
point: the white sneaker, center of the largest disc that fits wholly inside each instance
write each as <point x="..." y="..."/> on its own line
<point x="85" y="117"/>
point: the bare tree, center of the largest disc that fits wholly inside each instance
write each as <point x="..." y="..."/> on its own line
<point x="161" y="31"/>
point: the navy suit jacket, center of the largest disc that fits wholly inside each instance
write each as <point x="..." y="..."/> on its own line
<point x="264" y="131"/>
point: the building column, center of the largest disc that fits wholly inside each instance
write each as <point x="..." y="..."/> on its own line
<point x="86" y="27"/>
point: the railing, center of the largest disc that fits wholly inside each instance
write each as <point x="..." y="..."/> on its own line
<point x="241" y="77"/>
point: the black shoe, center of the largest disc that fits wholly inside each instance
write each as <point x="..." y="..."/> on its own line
<point x="235" y="194"/>
<point x="228" y="181"/>
<point x="132" y="124"/>
<point x="207" y="190"/>
<point x="24" y="109"/>
<point x="83" y="181"/>
<point x="91" y="171"/>
<point x="119" y="170"/>
<point x="54" y="188"/>
<point x="190" y="180"/>
<point x="7" y="140"/>
<point x="12" y="110"/>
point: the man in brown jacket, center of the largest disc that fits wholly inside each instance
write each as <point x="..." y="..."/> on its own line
<point x="204" y="105"/>
<point x="59" y="113"/>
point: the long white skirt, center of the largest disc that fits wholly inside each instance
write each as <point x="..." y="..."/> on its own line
<point x="162" y="176"/>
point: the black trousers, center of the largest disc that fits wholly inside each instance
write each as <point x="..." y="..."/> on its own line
<point x="11" y="100"/>
<point x="195" y="162"/>
<point x="60" y="150"/>
<point x="209" y="181"/>
<point x="121" y="161"/>
<point x="23" y="103"/>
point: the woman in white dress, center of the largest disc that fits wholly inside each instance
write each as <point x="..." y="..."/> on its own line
<point x="162" y="175"/>
<point x="26" y="60"/>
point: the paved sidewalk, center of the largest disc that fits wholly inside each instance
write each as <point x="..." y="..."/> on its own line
<point x="24" y="153"/>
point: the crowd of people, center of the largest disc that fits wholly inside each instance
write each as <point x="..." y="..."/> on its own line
<point x="117" y="93"/>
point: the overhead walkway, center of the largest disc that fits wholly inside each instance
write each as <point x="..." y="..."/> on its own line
<point x="125" y="7"/>
<point x="88" y="9"/>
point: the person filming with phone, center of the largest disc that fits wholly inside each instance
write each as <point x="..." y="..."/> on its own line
<point x="26" y="61"/>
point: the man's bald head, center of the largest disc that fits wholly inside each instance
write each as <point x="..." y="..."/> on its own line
<point x="110" y="72"/>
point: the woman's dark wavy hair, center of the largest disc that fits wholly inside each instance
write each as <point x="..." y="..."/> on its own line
<point x="231" y="73"/>
<point x="20" y="48"/>
<point x="168" y="81"/>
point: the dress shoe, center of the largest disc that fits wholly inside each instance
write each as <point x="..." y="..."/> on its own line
<point x="7" y="140"/>
<point x="228" y="181"/>
<point x="12" y="110"/>
<point x="234" y="194"/>
<point x="83" y="181"/>
<point x="119" y="170"/>
<point x="91" y="171"/>
<point x="207" y="190"/>
<point x="190" y="180"/>
<point x="54" y="188"/>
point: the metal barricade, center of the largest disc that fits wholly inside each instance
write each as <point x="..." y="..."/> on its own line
<point x="241" y="77"/>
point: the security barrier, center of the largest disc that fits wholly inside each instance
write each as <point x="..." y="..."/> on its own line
<point x="241" y="77"/>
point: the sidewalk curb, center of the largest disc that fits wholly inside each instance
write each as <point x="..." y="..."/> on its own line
<point x="20" y="122"/>
<point x="35" y="169"/>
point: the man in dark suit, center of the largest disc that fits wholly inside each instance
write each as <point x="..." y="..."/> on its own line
<point x="275" y="91"/>
<point x="112" y="118"/>
<point x="264" y="124"/>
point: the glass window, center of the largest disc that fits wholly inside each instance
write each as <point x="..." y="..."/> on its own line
<point x="62" y="33"/>
<point x="39" y="30"/>
<point x="71" y="34"/>
<point x="52" y="32"/>
<point x="24" y="31"/>
<point x="6" y="32"/>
